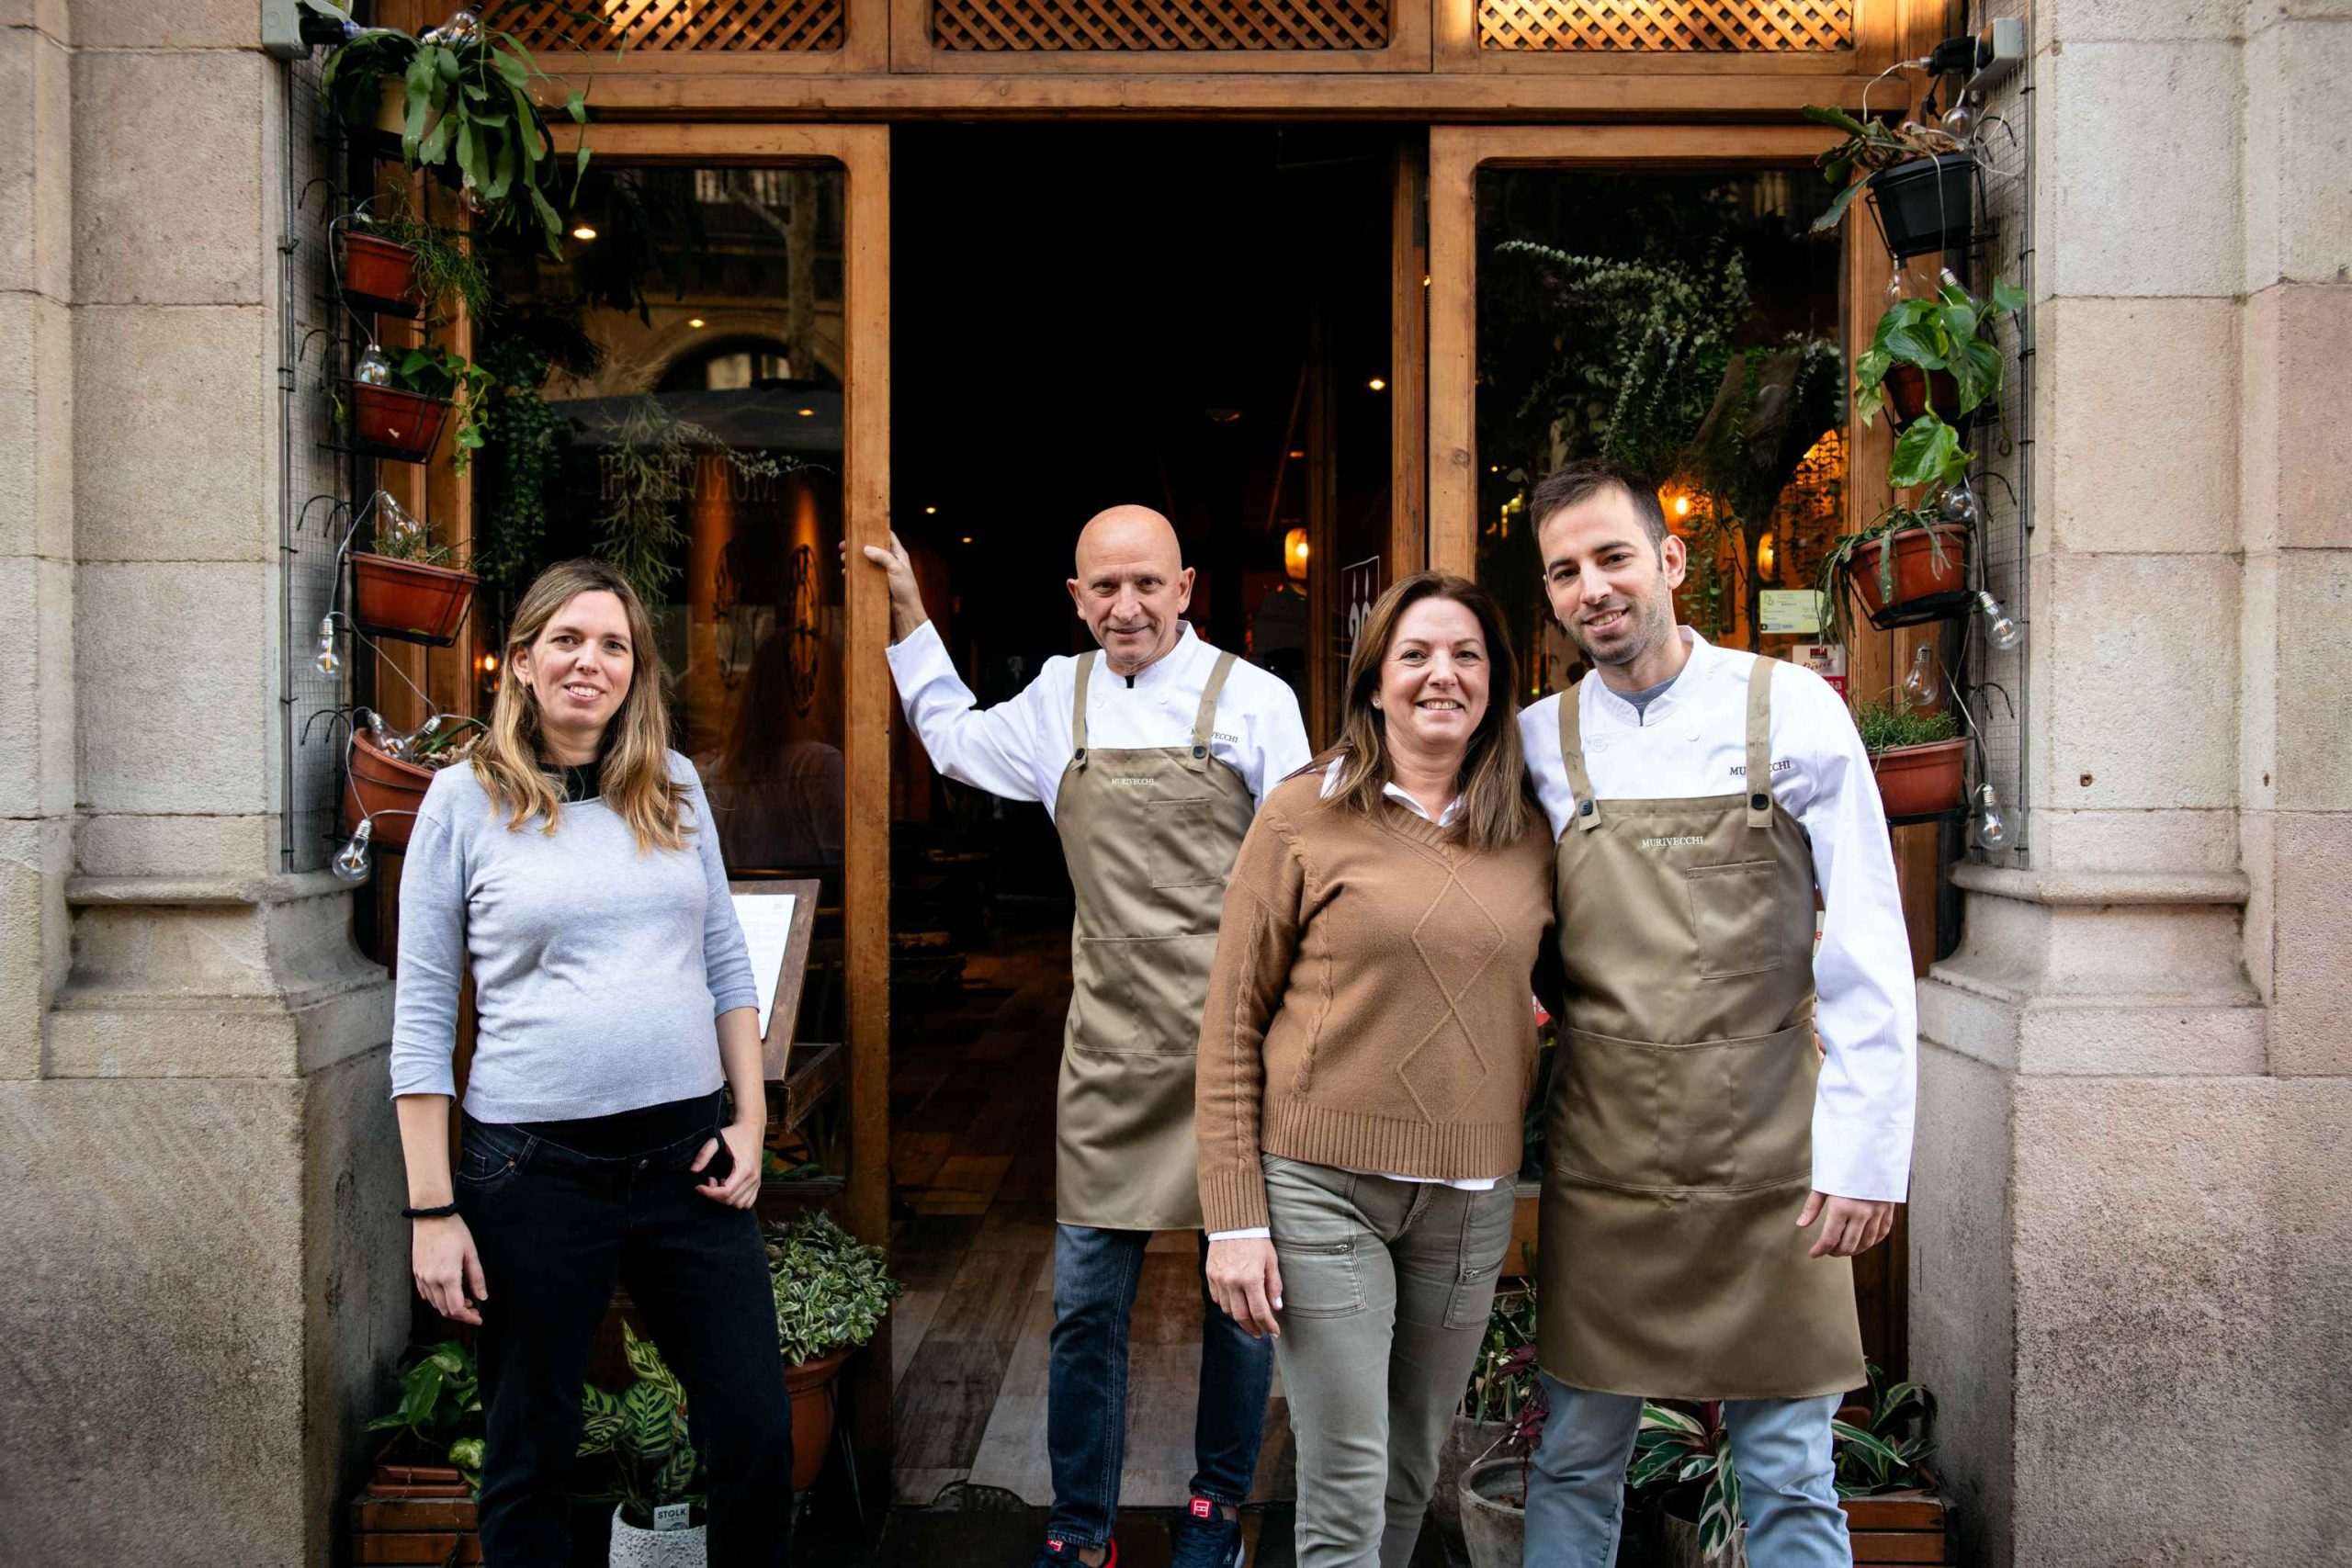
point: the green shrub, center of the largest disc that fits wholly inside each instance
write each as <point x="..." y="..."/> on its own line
<point x="831" y="1291"/>
<point x="1886" y="725"/>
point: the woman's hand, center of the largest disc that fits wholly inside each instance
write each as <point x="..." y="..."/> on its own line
<point x="1246" y="1281"/>
<point x="741" y="1187"/>
<point x="446" y="1267"/>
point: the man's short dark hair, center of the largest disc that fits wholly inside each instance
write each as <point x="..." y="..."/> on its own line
<point x="1588" y="477"/>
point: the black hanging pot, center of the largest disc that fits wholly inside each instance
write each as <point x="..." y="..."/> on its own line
<point x="1927" y="205"/>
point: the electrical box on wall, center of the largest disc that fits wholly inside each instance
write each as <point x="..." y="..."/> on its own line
<point x="281" y="30"/>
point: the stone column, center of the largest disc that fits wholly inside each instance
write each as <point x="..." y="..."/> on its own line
<point x="2130" y="1135"/>
<point x="199" y="1176"/>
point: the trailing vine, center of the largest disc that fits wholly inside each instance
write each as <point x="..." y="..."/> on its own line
<point x="526" y="449"/>
<point x="649" y="471"/>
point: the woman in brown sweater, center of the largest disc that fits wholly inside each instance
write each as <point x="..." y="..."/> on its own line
<point x="1366" y="1055"/>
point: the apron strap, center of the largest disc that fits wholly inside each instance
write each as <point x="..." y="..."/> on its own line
<point x="1205" y="722"/>
<point x="1078" y="708"/>
<point x="1760" y="742"/>
<point x="1572" y="755"/>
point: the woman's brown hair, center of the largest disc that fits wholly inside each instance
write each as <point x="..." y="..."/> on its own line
<point x="1496" y="808"/>
<point x="635" y="779"/>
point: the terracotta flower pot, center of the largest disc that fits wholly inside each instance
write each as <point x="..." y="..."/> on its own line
<point x="811" y="1386"/>
<point x="386" y="790"/>
<point x="399" y="424"/>
<point x="410" y="600"/>
<point x="1911" y="391"/>
<point x="379" y="275"/>
<point x="1915" y="780"/>
<point x="1924" y="587"/>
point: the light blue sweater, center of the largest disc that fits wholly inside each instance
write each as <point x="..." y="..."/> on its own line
<point x="598" y="971"/>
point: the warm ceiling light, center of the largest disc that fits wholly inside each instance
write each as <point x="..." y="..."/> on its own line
<point x="808" y="413"/>
<point x="931" y="512"/>
<point x="1377" y="385"/>
<point x="694" y="320"/>
<point x="968" y="538"/>
<point x="1295" y="555"/>
<point x="1767" y="556"/>
<point x="583" y="231"/>
<point x="1682" y="506"/>
<point x="1298" y="455"/>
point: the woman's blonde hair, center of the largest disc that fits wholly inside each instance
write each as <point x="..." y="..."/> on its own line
<point x="1496" y="806"/>
<point x="635" y="779"/>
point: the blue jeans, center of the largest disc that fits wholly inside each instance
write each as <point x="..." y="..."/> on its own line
<point x="1576" y="1488"/>
<point x="1095" y="1275"/>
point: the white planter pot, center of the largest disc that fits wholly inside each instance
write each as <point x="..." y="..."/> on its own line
<point x="634" y="1548"/>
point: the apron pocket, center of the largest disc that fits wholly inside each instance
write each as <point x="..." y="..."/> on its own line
<point x="1730" y="1113"/>
<point x="1142" y="995"/>
<point x="1734" y="912"/>
<point x="1187" y="850"/>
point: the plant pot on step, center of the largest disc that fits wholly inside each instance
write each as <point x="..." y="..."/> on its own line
<point x="1914" y="781"/>
<point x="380" y="275"/>
<point x="1930" y="576"/>
<point x="1466" y="1442"/>
<point x="1681" y="1538"/>
<point x="635" y="1548"/>
<point x="1911" y="391"/>
<point x="1493" y="1496"/>
<point x="410" y="600"/>
<point x="1898" y="1526"/>
<point x="387" y="791"/>
<point x="1927" y="205"/>
<point x="395" y="423"/>
<point x="813" y="1386"/>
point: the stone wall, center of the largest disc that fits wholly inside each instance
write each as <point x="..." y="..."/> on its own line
<point x="198" y="1171"/>
<point x="2123" y="1284"/>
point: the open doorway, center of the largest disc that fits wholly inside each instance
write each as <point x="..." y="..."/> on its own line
<point x="1195" y="319"/>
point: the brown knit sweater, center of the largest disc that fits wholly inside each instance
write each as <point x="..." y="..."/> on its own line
<point x="1370" y="1005"/>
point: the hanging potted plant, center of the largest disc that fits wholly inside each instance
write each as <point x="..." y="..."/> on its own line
<point x="400" y="266"/>
<point x="1920" y="760"/>
<point x="1936" y="356"/>
<point x="400" y="398"/>
<point x="650" y="1465"/>
<point x="1921" y="180"/>
<point x="1909" y="566"/>
<point x="832" y="1293"/>
<point x="386" y="774"/>
<point x="405" y="586"/>
<point x="468" y="112"/>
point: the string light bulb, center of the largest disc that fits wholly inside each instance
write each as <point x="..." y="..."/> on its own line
<point x="373" y="368"/>
<point x="395" y="528"/>
<point x="328" y="661"/>
<point x="2000" y="629"/>
<point x="351" y="861"/>
<point x="1957" y="504"/>
<point x="1920" y="687"/>
<point x="1994" y="830"/>
<point x="1960" y="121"/>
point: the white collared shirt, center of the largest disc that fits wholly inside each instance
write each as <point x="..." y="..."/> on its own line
<point x="1461" y="1184"/>
<point x="1692" y="741"/>
<point x="1019" y="749"/>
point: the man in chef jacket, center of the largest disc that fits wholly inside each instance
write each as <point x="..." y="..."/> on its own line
<point x="1151" y="754"/>
<point x="1710" y="1168"/>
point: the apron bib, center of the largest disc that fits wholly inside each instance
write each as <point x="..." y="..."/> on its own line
<point x="1150" y="835"/>
<point x="1680" y="1119"/>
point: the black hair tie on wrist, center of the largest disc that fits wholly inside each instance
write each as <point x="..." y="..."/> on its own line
<point x="439" y="1212"/>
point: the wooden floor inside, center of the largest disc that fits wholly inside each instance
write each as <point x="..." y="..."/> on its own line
<point x="972" y="1172"/>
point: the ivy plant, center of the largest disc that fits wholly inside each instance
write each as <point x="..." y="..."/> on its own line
<point x="831" y="1291"/>
<point x="433" y="371"/>
<point x="440" y="1411"/>
<point x="1951" y="331"/>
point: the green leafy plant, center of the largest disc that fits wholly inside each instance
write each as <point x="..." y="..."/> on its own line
<point x="649" y="472"/>
<point x="447" y="267"/>
<point x="433" y="371"/>
<point x="1887" y="1449"/>
<point x="1881" y="536"/>
<point x="1887" y="726"/>
<point x="1952" y="333"/>
<point x="525" y="440"/>
<point x="831" y="1291"/>
<point x="1503" y="1383"/>
<point x="1680" y="1443"/>
<point x="468" y="106"/>
<point x="1870" y="146"/>
<point x="440" y="1411"/>
<point x="641" y="1434"/>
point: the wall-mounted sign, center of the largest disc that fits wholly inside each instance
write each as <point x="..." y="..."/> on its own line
<point x="1790" y="612"/>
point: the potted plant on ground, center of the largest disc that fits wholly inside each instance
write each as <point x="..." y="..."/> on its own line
<point x="405" y="586"/>
<point x="1920" y="760"/>
<point x="386" y="772"/>
<point x="832" y="1293"/>
<point x="1909" y="566"/>
<point x="1681" y="1448"/>
<point x="468" y="112"/>
<point x="418" y="1505"/>
<point x="651" y="1468"/>
<point x="1921" y="181"/>
<point x="1890" y="1496"/>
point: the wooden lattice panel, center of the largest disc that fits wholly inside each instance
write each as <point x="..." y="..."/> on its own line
<point x="673" y="25"/>
<point x="1158" y="25"/>
<point x="1771" y="27"/>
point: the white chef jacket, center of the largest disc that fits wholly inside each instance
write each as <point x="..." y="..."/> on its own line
<point x="1019" y="749"/>
<point x="1692" y="741"/>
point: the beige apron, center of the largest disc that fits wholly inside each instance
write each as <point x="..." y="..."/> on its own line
<point x="1680" y="1123"/>
<point x="1150" y="835"/>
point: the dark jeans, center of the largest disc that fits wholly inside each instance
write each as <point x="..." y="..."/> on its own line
<point x="556" y="1229"/>
<point x="1095" y="1275"/>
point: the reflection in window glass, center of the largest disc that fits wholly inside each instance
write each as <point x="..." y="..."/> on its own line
<point x="1687" y="325"/>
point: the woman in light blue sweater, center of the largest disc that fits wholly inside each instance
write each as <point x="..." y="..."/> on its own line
<point x="574" y="864"/>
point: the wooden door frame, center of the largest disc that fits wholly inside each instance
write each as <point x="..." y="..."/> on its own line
<point x="864" y="153"/>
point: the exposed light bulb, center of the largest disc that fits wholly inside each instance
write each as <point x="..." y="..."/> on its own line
<point x="1960" y="121"/>
<point x="328" y="661"/>
<point x="373" y="369"/>
<point x="351" y="861"/>
<point x="394" y="525"/>
<point x="1957" y="504"/>
<point x="1994" y="830"/>
<point x="2000" y="630"/>
<point x="1894" y="287"/>
<point x="1921" y="689"/>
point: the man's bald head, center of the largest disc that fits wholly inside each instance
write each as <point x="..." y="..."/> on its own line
<point x="1132" y="586"/>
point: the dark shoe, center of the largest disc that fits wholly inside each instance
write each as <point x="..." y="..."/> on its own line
<point x="1205" y="1538"/>
<point x="1060" y="1553"/>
